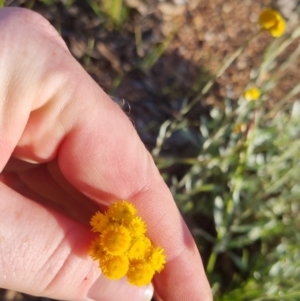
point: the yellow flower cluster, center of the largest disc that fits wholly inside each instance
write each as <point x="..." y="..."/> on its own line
<point x="122" y="248"/>
<point x="252" y="94"/>
<point x="272" y="21"/>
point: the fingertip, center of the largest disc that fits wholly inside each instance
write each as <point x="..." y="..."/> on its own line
<point x="21" y="17"/>
<point x="114" y="290"/>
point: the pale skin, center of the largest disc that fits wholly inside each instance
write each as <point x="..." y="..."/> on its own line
<point x="84" y="154"/>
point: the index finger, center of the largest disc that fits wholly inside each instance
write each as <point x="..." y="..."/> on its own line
<point x="106" y="160"/>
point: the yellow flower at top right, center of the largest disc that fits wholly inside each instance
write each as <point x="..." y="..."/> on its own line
<point x="272" y="21"/>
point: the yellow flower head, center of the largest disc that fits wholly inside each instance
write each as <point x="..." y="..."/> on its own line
<point x="99" y="222"/>
<point x="114" y="267"/>
<point x="122" y="212"/>
<point x="140" y="273"/>
<point x="272" y="21"/>
<point x="252" y="94"/>
<point x="137" y="227"/>
<point x="115" y="240"/>
<point x="157" y="259"/>
<point x="139" y="248"/>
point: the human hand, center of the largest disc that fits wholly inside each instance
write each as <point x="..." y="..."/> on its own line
<point x="67" y="150"/>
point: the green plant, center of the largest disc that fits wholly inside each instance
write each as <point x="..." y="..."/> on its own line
<point x="115" y="10"/>
<point x="244" y="180"/>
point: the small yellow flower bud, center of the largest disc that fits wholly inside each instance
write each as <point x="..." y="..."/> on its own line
<point x="114" y="267"/>
<point x="115" y="240"/>
<point x="137" y="227"/>
<point x="99" y="221"/>
<point x="95" y="249"/>
<point x="252" y="94"/>
<point x="122" y="212"/>
<point x="140" y="273"/>
<point x="239" y="128"/>
<point x="139" y="248"/>
<point x="157" y="259"/>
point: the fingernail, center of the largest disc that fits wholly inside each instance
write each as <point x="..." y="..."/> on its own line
<point x="114" y="290"/>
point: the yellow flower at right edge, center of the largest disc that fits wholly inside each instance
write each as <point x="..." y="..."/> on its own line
<point x="272" y="21"/>
<point x="252" y="94"/>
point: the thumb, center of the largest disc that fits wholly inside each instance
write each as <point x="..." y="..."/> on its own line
<point x="44" y="253"/>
